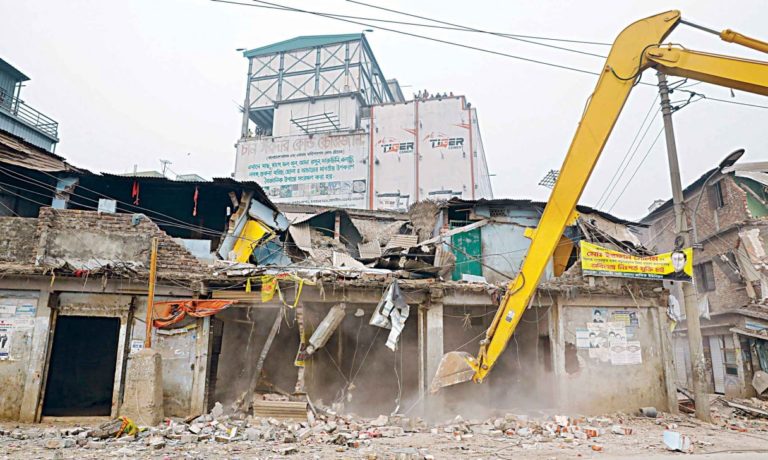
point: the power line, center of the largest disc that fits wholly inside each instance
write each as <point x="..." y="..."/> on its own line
<point x="616" y="174"/>
<point x="637" y="168"/>
<point x="410" y="34"/>
<point x="32" y="181"/>
<point x="432" y="26"/>
<point x="704" y="96"/>
<point x="454" y="26"/>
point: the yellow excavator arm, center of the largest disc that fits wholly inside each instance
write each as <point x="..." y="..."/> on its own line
<point x="637" y="48"/>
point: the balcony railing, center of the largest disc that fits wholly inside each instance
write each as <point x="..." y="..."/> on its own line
<point x="19" y="109"/>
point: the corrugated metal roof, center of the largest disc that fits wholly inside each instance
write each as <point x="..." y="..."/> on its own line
<point x="155" y="174"/>
<point x="16" y="151"/>
<point x="453" y="202"/>
<point x="402" y="241"/>
<point x="370" y="250"/>
<point x="15" y="73"/>
<point x="302" y="42"/>
<point x="215" y="182"/>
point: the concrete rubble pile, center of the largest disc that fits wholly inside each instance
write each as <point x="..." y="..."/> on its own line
<point x="325" y="432"/>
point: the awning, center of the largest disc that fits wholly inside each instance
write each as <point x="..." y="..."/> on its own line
<point x="753" y="334"/>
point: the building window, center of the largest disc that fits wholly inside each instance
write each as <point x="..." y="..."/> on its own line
<point x="497" y="212"/>
<point x="705" y="276"/>
<point x="716" y="195"/>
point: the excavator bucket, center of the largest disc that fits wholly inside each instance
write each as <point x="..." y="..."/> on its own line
<point x="455" y="367"/>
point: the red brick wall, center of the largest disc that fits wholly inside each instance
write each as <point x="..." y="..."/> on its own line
<point x="716" y="233"/>
<point x="18" y="239"/>
<point x="173" y="261"/>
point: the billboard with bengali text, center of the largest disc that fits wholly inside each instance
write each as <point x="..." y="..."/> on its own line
<point x="322" y="169"/>
<point x="599" y="261"/>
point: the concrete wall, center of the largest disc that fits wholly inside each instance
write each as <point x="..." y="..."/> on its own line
<point x="345" y="108"/>
<point x="426" y="149"/>
<point x="179" y="351"/>
<point x="599" y="380"/>
<point x="26" y="317"/>
<point x="17" y="321"/>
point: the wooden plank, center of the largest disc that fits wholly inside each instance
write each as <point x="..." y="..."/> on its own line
<point x="263" y="356"/>
<point x="282" y="410"/>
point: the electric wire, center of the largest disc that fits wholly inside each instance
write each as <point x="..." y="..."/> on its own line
<point x="704" y="96"/>
<point x="623" y="170"/>
<point x="433" y="26"/>
<point x="181" y="224"/>
<point x="424" y="37"/>
<point x="637" y="169"/>
<point x="472" y="29"/>
<point x="637" y="134"/>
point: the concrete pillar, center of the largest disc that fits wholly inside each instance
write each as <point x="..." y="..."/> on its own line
<point x="745" y="388"/>
<point x="664" y="338"/>
<point x="434" y="339"/>
<point x="143" y="397"/>
<point x="557" y="343"/>
<point x="203" y="344"/>
<point x="430" y="348"/>
<point x="423" y="384"/>
<point x="33" y="385"/>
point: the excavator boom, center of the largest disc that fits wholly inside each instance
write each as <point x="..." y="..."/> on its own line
<point x="636" y="49"/>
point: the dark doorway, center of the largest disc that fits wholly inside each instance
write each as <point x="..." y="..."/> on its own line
<point x="81" y="372"/>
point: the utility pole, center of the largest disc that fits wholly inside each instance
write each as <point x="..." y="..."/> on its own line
<point x="682" y="239"/>
<point x="151" y="293"/>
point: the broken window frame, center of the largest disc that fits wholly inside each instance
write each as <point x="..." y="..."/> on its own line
<point x="705" y="276"/>
<point x="717" y="195"/>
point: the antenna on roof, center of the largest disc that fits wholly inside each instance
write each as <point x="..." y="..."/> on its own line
<point x="165" y="164"/>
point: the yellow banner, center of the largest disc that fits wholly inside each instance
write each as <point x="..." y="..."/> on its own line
<point x="600" y="261"/>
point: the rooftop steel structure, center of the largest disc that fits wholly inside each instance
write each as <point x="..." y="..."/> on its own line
<point x="309" y="68"/>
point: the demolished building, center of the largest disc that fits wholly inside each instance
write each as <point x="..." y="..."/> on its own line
<point x="352" y="309"/>
<point x="728" y="210"/>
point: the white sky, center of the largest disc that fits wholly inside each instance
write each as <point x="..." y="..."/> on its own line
<point x="134" y="81"/>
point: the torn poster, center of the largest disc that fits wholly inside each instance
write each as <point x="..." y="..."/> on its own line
<point x="582" y="338"/>
<point x="599" y="315"/>
<point x="26" y="309"/>
<point x="617" y="333"/>
<point x="629" y="318"/>
<point x="624" y="354"/>
<point x="391" y="313"/>
<point x="136" y="346"/>
<point x="6" y="334"/>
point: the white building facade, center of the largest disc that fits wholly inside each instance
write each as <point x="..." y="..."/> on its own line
<point x="322" y="126"/>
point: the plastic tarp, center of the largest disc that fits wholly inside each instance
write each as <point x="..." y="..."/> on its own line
<point x="173" y="311"/>
<point x="391" y="313"/>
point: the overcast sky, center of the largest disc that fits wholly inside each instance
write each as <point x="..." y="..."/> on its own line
<point x="136" y="81"/>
